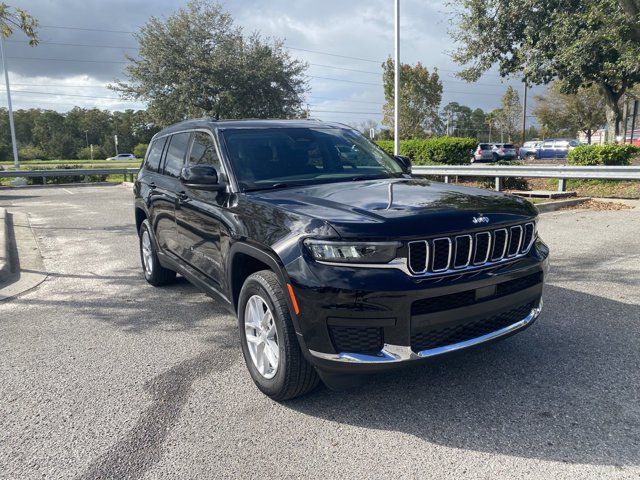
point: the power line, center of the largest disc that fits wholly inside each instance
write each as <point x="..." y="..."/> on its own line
<point x="59" y="27"/>
<point x="31" y="92"/>
<point x="66" y="60"/>
<point x="319" y="52"/>
<point x="62" y="44"/>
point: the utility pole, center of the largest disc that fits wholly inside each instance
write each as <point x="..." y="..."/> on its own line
<point x="633" y="120"/>
<point x="12" y="127"/>
<point x="396" y="83"/>
<point x="524" y="111"/>
<point x="86" y="137"/>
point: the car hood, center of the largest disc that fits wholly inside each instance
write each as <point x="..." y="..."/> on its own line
<point x="394" y="208"/>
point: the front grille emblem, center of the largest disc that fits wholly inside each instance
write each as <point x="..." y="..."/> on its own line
<point x="480" y="219"/>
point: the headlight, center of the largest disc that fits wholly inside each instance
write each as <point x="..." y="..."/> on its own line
<point x="352" y="252"/>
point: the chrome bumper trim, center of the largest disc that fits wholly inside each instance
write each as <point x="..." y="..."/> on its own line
<point x="399" y="353"/>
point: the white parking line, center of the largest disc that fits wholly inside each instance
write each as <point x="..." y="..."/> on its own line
<point x="68" y="191"/>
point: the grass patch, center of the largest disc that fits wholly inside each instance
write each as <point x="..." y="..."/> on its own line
<point x="601" y="188"/>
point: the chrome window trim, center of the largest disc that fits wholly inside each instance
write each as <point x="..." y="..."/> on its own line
<point x="517" y="251"/>
<point x="506" y="244"/>
<point x="434" y="252"/>
<point x="223" y="161"/>
<point x="455" y="258"/>
<point x="426" y="263"/>
<point x="489" y="247"/>
<point x="401" y="353"/>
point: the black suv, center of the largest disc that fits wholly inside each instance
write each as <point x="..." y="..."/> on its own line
<point x="334" y="258"/>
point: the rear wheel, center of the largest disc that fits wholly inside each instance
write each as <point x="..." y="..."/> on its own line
<point x="154" y="273"/>
<point x="269" y="344"/>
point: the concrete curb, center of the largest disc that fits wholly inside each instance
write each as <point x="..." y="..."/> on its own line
<point x="27" y="267"/>
<point x="557" y="205"/>
<point x="5" y="266"/>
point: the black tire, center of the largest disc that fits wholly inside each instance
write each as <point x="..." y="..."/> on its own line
<point x="157" y="275"/>
<point x="294" y="376"/>
<point x="495" y="157"/>
<point x="530" y="157"/>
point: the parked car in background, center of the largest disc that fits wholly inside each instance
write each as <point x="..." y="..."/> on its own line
<point x="503" y="151"/>
<point x="483" y="153"/>
<point x="123" y="156"/>
<point x="556" y="148"/>
<point x="529" y="150"/>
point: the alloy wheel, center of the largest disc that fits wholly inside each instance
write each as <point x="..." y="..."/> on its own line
<point x="147" y="253"/>
<point x="261" y="336"/>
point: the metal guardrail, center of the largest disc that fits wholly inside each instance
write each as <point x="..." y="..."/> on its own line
<point x="561" y="172"/>
<point x="71" y="172"/>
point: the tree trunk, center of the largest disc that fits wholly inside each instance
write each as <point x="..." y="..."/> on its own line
<point x="612" y="111"/>
<point x="589" y="133"/>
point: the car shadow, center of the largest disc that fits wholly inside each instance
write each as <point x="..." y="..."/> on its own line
<point x="567" y="389"/>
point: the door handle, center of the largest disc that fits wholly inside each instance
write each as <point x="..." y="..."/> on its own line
<point x="182" y="196"/>
<point x="152" y="186"/>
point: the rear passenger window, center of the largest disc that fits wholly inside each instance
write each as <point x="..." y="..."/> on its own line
<point x="152" y="162"/>
<point x="175" y="154"/>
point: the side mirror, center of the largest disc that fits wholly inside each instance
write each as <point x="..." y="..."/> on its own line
<point x="405" y="162"/>
<point x="203" y="177"/>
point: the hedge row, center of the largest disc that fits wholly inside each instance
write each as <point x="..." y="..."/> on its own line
<point x="602" y="154"/>
<point x="447" y="150"/>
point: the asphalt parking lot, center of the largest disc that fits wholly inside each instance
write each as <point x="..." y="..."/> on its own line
<point x="104" y="376"/>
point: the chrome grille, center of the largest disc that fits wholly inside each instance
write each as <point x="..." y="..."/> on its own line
<point x="443" y="254"/>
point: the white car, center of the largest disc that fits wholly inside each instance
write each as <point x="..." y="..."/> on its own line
<point x="123" y="156"/>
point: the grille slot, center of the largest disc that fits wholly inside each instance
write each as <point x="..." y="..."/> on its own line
<point x="462" y="251"/>
<point x="427" y="339"/>
<point x="418" y="256"/>
<point x="515" y="240"/>
<point x="482" y="248"/>
<point x="527" y="238"/>
<point x="367" y="340"/>
<point x="441" y="254"/>
<point x="499" y="244"/>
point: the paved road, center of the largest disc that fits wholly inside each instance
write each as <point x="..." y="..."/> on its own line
<point x="103" y="376"/>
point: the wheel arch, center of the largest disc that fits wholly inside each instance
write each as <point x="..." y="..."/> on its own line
<point x="245" y="259"/>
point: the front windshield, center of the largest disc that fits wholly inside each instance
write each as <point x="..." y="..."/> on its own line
<point x="265" y="158"/>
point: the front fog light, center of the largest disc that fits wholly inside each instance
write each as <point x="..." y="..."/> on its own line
<point x="352" y="252"/>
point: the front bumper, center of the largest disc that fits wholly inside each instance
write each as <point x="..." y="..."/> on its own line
<point x="333" y="297"/>
<point x="399" y="353"/>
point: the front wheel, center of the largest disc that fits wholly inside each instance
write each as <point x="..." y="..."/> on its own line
<point x="269" y="344"/>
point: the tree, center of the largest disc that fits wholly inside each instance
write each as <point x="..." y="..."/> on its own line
<point x="420" y="96"/>
<point x="567" y="114"/>
<point x="12" y="18"/>
<point x="365" y="126"/>
<point x="461" y="120"/>
<point x="197" y="63"/>
<point x="509" y="114"/>
<point x="580" y="42"/>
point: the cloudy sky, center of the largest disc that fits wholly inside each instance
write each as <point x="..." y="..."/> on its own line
<point x="84" y="42"/>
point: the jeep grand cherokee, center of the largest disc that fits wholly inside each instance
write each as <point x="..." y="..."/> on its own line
<point x="335" y="259"/>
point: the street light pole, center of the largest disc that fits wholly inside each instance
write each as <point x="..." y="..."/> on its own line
<point x="396" y="83"/>
<point x="12" y="127"/>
